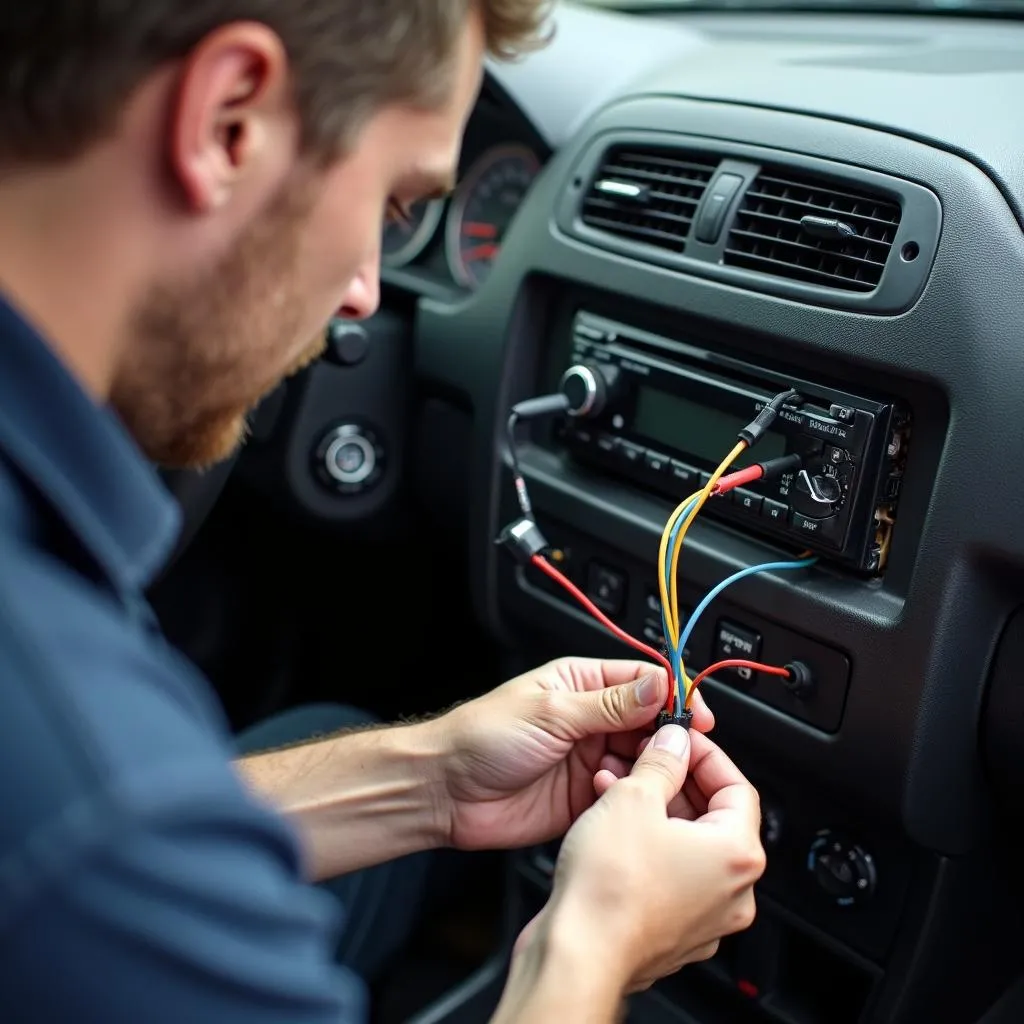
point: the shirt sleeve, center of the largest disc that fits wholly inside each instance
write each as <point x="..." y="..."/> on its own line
<point x="191" y="912"/>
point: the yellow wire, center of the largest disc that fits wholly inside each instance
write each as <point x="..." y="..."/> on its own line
<point x="671" y="619"/>
<point x="703" y="496"/>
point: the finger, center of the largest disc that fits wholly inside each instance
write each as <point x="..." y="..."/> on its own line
<point x="618" y="766"/>
<point x="623" y="708"/>
<point x="703" y="719"/>
<point x="723" y="785"/>
<point x="604" y="780"/>
<point x="682" y="806"/>
<point x="584" y="674"/>
<point x="625" y="744"/>
<point x="662" y="767"/>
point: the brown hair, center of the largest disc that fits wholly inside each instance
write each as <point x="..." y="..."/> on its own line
<point x="68" y="66"/>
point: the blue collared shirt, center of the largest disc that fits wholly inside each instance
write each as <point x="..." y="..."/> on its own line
<point x="139" y="881"/>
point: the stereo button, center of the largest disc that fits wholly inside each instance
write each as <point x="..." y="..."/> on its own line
<point x="747" y="499"/>
<point x="656" y="462"/>
<point x="686" y="475"/>
<point x="824" y="531"/>
<point x="775" y="511"/>
<point x="607" y="443"/>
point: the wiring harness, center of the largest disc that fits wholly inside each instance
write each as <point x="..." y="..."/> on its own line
<point x="527" y="543"/>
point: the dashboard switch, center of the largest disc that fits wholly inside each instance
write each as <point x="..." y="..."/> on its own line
<point x="734" y="641"/>
<point x="716" y="206"/>
<point x="843" y="871"/>
<point x="606" y="588"/>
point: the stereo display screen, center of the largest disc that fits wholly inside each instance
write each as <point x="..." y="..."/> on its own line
<point x="685" y="426"/>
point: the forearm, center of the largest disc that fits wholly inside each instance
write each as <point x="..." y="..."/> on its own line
<point x="555" y="979"/>
<point x="357" y="799"/>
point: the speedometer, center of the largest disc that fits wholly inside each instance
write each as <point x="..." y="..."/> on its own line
<point x="482" y="209"/>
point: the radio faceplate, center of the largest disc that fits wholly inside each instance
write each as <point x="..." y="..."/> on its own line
<point x="671" y="410"/>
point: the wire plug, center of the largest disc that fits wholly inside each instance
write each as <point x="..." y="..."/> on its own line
<point x="524" y="539"/>
<point x="754" y="430"/>
<point x="685" y="719"/>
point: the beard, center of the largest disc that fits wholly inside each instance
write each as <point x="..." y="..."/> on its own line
<point x="209" y="348"/>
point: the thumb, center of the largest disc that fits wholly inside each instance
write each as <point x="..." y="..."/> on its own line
<point x="663" y="765"/>
<point x="617" y="708"/>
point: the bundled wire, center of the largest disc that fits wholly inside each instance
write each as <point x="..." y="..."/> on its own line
<point x="672" y="542"/>
<point x="525" y="540"/>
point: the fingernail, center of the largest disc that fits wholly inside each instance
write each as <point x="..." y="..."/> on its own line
<point x="672" y="738"/>
<point x="648" y="691"/>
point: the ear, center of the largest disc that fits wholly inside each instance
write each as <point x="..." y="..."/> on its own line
<point x="231" y="108"/>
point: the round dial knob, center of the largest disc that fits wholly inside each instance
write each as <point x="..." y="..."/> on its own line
<point x="843" y="871"/>
<point x="587" y="386"/>
<point x="818" y="492"/>
<point x="349" y="458"/>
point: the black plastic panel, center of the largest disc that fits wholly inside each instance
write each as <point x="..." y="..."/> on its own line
<point x="920" y="641"/>
<point x="777" y="644"/>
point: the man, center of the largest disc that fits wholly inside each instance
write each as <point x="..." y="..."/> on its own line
<point x="190" y="188"/>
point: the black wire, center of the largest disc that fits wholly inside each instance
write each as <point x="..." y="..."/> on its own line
<point x="522" y="494"/>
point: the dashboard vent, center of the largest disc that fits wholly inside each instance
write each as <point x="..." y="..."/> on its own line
<point x="647" y="195"/>
<point x="806" y="229"/>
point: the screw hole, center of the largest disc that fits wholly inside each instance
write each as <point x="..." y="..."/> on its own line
<point x="577" y="183"/>
<point x="910" y="252"/>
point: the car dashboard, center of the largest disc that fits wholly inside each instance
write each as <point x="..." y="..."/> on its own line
<point x="707" y="209"/>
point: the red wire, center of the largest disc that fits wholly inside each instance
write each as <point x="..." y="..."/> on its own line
<point x="768" y="670"/>
<point x="738" y="479"/>
<point x="563" y="581"/>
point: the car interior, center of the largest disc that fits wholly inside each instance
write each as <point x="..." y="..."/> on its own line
<point x="682" y="218"/>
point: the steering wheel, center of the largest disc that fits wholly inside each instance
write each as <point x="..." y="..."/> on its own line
<point x="196" y="493"/>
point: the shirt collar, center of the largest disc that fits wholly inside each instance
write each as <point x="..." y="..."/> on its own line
<point x="81" y="459"/>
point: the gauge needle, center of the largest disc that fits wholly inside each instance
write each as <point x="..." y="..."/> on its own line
<point x="479" y="229"/>
<point x="487" y="251"/>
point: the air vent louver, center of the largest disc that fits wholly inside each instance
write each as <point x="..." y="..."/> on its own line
<point x="647" y="195"/>
<point x="806" y="229"/>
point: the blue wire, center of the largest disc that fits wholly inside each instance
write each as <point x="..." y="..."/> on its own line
<point x="666" y="569"/>
<point x="675" y="654"/>
<point x="742" y="574"/>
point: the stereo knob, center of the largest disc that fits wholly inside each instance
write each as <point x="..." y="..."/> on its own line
<point x="587" y="386"/>
<point x="817" y="494"/>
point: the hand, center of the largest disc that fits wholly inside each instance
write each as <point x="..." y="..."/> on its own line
<point x="525" y="758"/>
<point x="639" y="892"/>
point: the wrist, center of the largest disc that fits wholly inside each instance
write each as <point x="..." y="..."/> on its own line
<point x="565" y="944"/>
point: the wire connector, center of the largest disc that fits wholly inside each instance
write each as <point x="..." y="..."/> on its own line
<point x="685" y="719"/>
<point x="772" y="468"/>
<point x="754" y="430"/>
<point x="524" y="539"/>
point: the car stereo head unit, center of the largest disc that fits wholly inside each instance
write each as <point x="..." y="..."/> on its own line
<point x="665" y="412"/>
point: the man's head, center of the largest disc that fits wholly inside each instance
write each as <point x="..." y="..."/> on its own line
<point x="233" y="161"/>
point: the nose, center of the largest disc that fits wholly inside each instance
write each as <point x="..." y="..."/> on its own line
<point x="363" y="295"/>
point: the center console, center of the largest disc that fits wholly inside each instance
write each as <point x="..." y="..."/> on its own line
<point x="873" y="794"/>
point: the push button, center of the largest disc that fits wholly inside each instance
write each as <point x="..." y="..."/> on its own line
<point x="776" y="511"/>
<point x="606" y="588"/>
<point x="656" y="462"/>
<point x="686" y="475"/>
<point x="735" y="641"/>
<point x="747" y="499"/>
